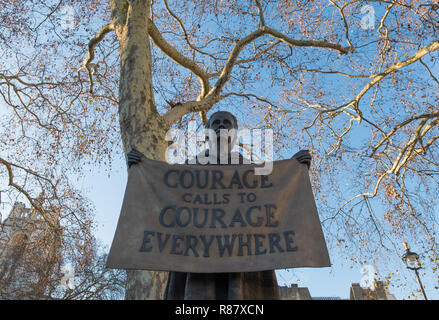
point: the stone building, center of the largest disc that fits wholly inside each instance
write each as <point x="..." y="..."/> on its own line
<point x="293" y="292"/>
<point x="29" y="252"/>
<point x="356" y="292"/>
<point x="380" y="292"/>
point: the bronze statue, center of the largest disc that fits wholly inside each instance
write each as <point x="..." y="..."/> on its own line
<point x="226" y="286"/>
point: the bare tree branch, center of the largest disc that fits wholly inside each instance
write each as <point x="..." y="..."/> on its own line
<point x="91" y="48"/>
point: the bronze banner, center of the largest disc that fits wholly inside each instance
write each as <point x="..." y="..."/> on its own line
<point x="218" y="218"/>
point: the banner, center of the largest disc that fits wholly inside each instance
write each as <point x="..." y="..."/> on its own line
<point x="218" y="218"/>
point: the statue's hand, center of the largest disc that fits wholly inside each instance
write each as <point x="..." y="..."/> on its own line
<point x="134" y="157"/>
<point x="303" y="156"/>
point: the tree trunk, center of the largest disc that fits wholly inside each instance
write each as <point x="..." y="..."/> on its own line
<point x="140" y="124"/>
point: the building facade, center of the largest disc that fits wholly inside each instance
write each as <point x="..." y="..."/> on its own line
<point x="29" y="253"/>
<point x="356" y="292"/>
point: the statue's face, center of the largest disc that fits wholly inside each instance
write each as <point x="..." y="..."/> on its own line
<point x="223" y="120"/>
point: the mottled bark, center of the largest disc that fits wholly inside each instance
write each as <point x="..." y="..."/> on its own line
<point x="140" y="124"/>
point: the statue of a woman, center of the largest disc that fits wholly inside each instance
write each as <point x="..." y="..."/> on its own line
<point x="226" y="286"/>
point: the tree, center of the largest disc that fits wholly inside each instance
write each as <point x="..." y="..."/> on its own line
<point x="283" y="63"/>
<point x="39" y="138"/>
<point x="42" y="260"/>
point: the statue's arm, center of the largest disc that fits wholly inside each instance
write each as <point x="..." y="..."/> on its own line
<point x="134" y="157"/>
<point x="303" y="156"/>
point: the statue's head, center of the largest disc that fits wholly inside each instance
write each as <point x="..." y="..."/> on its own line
<point x="223" y="120"/>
